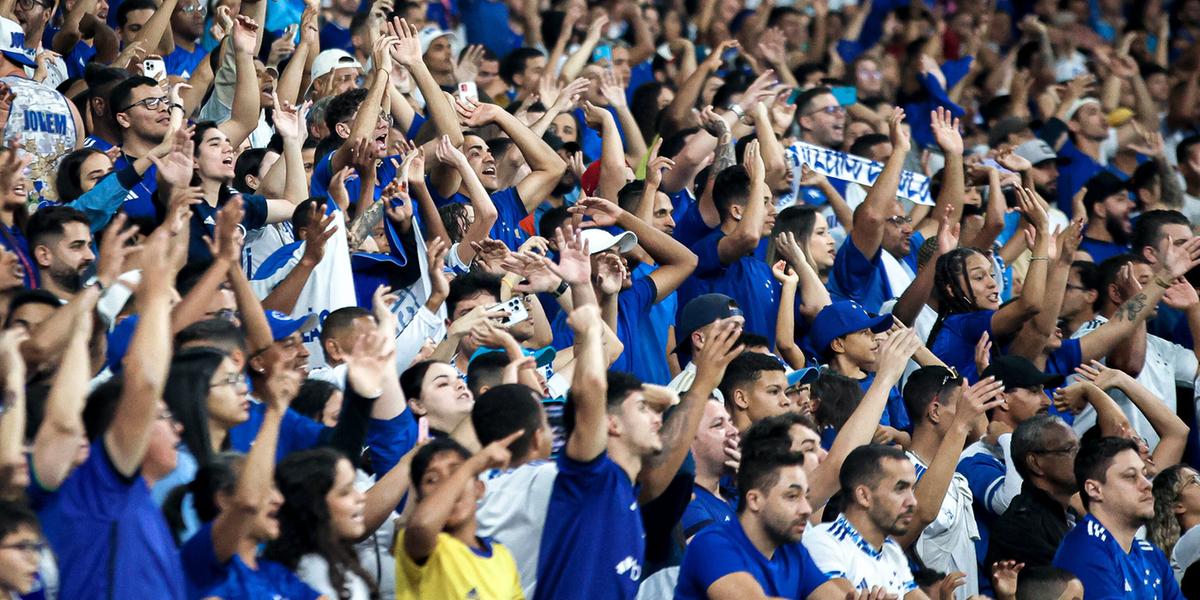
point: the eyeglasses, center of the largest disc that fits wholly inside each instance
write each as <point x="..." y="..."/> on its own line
<point x="151" y="103"/>
<point x="1068" y="450"/>
<point x="829" y="110"/>
<point x="1193" y="480"/>
<point x="233" y="379"/>
<point x="870" y="74"/>
<point x="27" y="547"/>
<point x="29" y="4"/>
<point x="194" y="8"/>
<point x="900" y="220"/>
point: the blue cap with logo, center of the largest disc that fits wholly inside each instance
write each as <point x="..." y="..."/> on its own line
<point x="283" y="326"/>
<point x="843" y="318"/>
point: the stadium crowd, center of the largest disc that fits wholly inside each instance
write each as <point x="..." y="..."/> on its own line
<point x="555" y="299"/>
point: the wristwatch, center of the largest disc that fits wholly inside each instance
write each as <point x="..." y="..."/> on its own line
<point x="737" y="110"/>
<point x="562" y="289"/>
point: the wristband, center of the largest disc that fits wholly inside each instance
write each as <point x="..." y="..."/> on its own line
<point x="1161" y="283"/>
<point x="1033" y="258"/>
<point x="562" y="289"/>
<point x="174" y="106"/>
<point x="737" y="111"/>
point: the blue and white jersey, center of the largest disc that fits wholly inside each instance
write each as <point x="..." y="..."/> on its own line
<point x="840" y="551"/>
<point x="43" y="120"/>
<point x="1108" y="571"/>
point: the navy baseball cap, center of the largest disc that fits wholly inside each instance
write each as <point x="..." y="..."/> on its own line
<point x="843" y="318"/>
<point x="700" y="311"/>
<point x="283" y="326"/>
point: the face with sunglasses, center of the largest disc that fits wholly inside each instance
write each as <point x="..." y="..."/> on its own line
<point x="897" y="232"/>
<point x="824" y="122"/>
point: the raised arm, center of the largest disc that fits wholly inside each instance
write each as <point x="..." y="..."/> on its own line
<point x="612" y="152"/>
<point x="1171" y="430"/>
<point x="149" y="357"/>
<point x="954" y="187"/>
<point x="749" y="230"/>
<point x="785" y="321"/>
<point x="680" y="427"/>
<point x="614" y="92"/>
<point x="293" y="75"/>
<point x="253" y="487"/>
<point x="545" y="165"/>
<point x="1013" y="315"/>
<point x="871" y="216"/>
<point x="244" y="115"/>
<point x="152" y="33"/>
<point x="931" y="487"/>
<point x="860" y="426"/>
<point x="57" y="440"/>
<point x="579" y="58"/>
<point x="12" y="420"/>
<point x="368" y="113"/>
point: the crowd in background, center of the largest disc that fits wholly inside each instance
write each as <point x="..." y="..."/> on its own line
<point x="557" y="299"/>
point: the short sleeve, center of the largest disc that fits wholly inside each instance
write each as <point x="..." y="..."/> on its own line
<point x="984" y="476"/>
<point x="823" y="551"/>
<point x="298" y="432"/>
<point x="852" y="270"/>
<point x="708" y="258"/>
<point x="811" y="576"/>
<point x="645" y="292"/>
<point x="199" y="557"/>
<point x="711" y="556"/>
<point x="256" y="211"/>
<point x="1185" y="364"/>
<point x="408" y="572"/>
<point x="322" y="174"/>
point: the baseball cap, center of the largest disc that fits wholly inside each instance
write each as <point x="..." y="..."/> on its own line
<point x="802" y="376"/>
<point x="1004" y="128"/>
<point x="335" y="58"/>
<point x="283" y="326"/>
<point x="700" y="311"/>
<point x="1018" y="372"/>
<point x="543" y="356"/>
<point x="1078" y="104"/>
<point x="599" y="240"/>
<point x="1101" y="186"/>
<point x="12" y="43"/>
<point x="843" y="318"/>
<point x="1036" y="151"/>
<point x="428" y="34"/>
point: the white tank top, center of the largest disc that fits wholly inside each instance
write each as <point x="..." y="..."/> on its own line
<point x="42" y="117"/>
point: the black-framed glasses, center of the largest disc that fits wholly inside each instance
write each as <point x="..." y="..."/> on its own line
<point x="30" y="547"/>
<point x="829" y="110"/>
<point x="900" y="220"/>
<point x="233" y="379"/>
<point x="29" y="4"/>
<point x="151" y="103"/>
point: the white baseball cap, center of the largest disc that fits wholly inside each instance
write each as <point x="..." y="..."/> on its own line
<point x="329" y="60"/>
<point x="428" y="34"/>
<point x="599" y="240"/>
<point x="1078" y="104"/>
<point x="12" y="43"/>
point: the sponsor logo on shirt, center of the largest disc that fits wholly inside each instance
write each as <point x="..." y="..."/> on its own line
<point x="631" y="566"/>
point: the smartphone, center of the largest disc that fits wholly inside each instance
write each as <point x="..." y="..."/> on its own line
<point x="991" y="162"/>
<point x="154" y="68"/>
<point x="292" y="33"/>
<point x="603" y="53"/>
<point x="794" y="96"/>
<point x="515" y="307"/>
<point x="468" y="92"/>
<point x="846" y="95"/>
<point x="728" y="56"/>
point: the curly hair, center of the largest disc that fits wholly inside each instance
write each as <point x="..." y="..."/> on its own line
<point x="304" y="479"/>
<point x="1163" y="530"/>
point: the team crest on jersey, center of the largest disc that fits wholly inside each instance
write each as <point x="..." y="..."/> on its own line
<point x="630" y="565"/>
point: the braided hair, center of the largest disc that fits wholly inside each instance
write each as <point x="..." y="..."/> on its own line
<point x="950" y="285"/>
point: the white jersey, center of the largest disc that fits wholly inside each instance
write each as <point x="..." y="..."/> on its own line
<point x="513" y="512"/>
<point x="840" y="551"/>
<point x="42" y="117"/>
<point x="948" y="543"/>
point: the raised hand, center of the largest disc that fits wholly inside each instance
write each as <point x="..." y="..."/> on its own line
<point x="610" y="273"/>
<point x="612" y="89"/>
<point x="176" y="167"/>
<point x="901" y="142"/>
<point x="1072" y="398"/>
<point x="574" y="263"/>
<point x="538" y="276"/>
<point x="1101" y="376"/>
<point x="495" y="455"/>
<point x="368" y="362"/>
<point x="986" y="394"/>
<point x="290" y="120"/>
<point x="283" y="384"/>
<point x="114" y="249"/>
<point x="468" y="64"/>
<point x="754" y="163"/>
<point x="772" y="46"/>
<point x="894" y="353"/>
<point x="490" y="254"/>
<point x="1031" y="205"/>
<point x="594" y="115"/>
<point x="784" y="274"/>
<point x="438" y="282"/>
<point x="719" y="349"/>
<point x="983" y="353"/>
<point x="603" y="212"/>
<point x="1181" y="295"/>
<point x="1181" y="258"/>
<point x="317" y="232"/>
<point x="245" y="34"/>
<point x="945" y="131"/>
<point x="226" y="242"/>
<point x="447" y="154"/>
<point x="1004" y="578"/>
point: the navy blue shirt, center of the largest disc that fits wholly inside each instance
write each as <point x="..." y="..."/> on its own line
<point x="724" y="549"/>
<point x="955" y="344"/>
<point x="1107" y="571"/>
<point x="858" y="278"/>
<point x="110" y="538"/>
<point x="182" y="63"/>
<point x="747" y="280"/>
<point x="1076" y="169"/>
<point x="335" y="36"/>
<point x="705" y="510"/>
<point x="639" y="356"/>
<point x="207" y="577"/>
<point x="510" y="209"/>
<point x="593" y="534"/>
<point x="204" y="220"/>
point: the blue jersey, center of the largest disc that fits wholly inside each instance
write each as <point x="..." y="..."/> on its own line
<point x="641" y="355"/>
<point x="705" y="510"/>
<point x="747" y="280"/>
<point x="593" y="535"/>
<point x="1107" y="571"/>
<point x="510" y="211"/>
<point x="110" y="539"/>
<point x="724" y="549"/>
<point x="955" y="343"/>
<point x="1101" y="251"/>
<point x="207" y="577"/>
<point x="859" y="278"/>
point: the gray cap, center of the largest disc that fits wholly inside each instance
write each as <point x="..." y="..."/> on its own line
<point x="1036" y="151"/>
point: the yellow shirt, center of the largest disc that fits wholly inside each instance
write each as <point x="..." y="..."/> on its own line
<point x="456" y="571"/>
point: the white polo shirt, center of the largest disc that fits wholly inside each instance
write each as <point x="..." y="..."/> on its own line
<point x="513" y="512"/>
<point x="840" y="551"/>
<point x="948" y="543"/>
<point x="1166" y="365"/>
